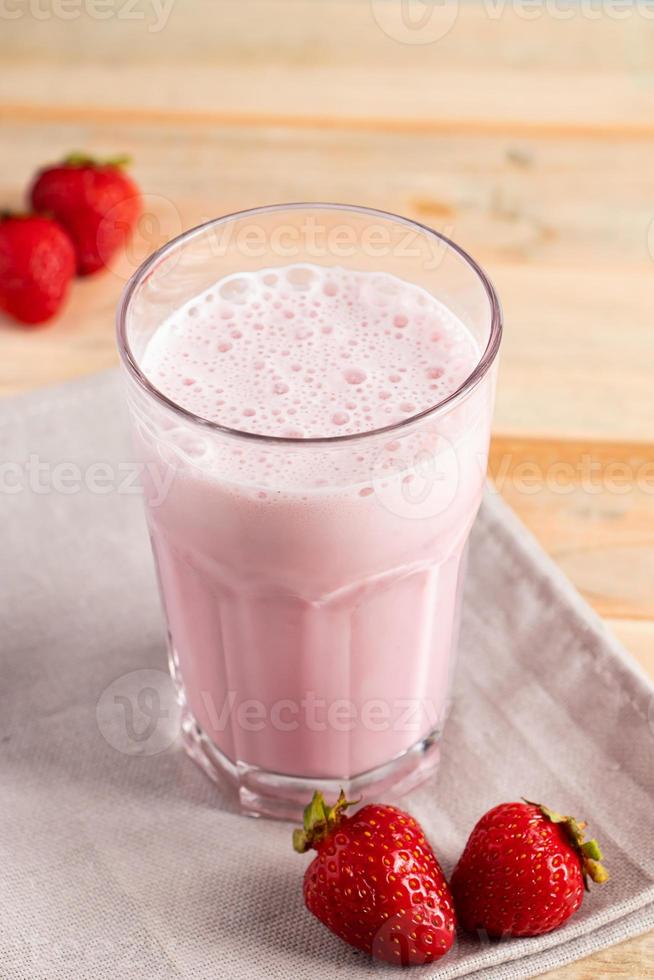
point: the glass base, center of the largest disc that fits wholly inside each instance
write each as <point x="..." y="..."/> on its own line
<point x="260" y="793"/>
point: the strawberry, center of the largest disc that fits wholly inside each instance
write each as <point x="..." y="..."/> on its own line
<point x="37" y="263"/>
<point x="375" y="881"/>
<point x="96" y="202"/>
<point x="523" y="871"/>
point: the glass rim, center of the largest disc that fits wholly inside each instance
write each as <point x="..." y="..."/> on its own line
<point x="439" y="408"/>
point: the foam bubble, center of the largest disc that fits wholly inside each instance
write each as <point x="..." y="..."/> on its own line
<point x="350" y="351"/>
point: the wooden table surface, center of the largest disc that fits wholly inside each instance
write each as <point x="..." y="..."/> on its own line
<point x="528" y="136"/>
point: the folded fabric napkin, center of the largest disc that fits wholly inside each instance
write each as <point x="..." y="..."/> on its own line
<point x="120" y="858"/>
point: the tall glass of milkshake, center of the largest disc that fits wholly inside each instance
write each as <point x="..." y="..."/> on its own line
<point x="313" y="386"/>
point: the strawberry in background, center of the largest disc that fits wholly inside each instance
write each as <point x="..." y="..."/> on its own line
<point x="37" y="263"/>
<point x="96" y="202"/>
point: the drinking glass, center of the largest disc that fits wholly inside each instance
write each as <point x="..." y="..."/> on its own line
<point x="312" y="616"/>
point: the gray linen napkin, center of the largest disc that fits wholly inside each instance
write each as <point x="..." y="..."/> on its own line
<point x="118" y="857"/>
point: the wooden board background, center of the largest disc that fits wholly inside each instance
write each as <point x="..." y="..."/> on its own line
<point x="529" y="139"/>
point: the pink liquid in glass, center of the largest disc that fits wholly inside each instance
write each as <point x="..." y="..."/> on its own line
<point x="312" y="589"/>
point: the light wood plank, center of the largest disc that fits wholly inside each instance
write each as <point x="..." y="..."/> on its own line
<point x="591" y="506"/>
<point x="528" y="201"/>
<point x="345" y="62"/>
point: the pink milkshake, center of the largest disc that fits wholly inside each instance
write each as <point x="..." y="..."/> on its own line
<point x="326" y="463"/>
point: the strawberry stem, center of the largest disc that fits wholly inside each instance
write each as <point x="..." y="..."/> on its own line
<point x="80" y="159"/>
<point x="592" y="850"/>
<point x="588" y="851"/>
<point x="319" y="821"/>
<point x="6" y="215"/>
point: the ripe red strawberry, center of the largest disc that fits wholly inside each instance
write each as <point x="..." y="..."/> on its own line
<point x="523" y="871"/>
<point x="97" y="204"/>
<point x="37" y="263"/>
<point x="376" y="882"/>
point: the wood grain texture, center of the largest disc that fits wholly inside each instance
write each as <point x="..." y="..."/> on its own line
<point x="591" y="506"/>
<point x="346" y="61"/>
<point x="529" y="141"/>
